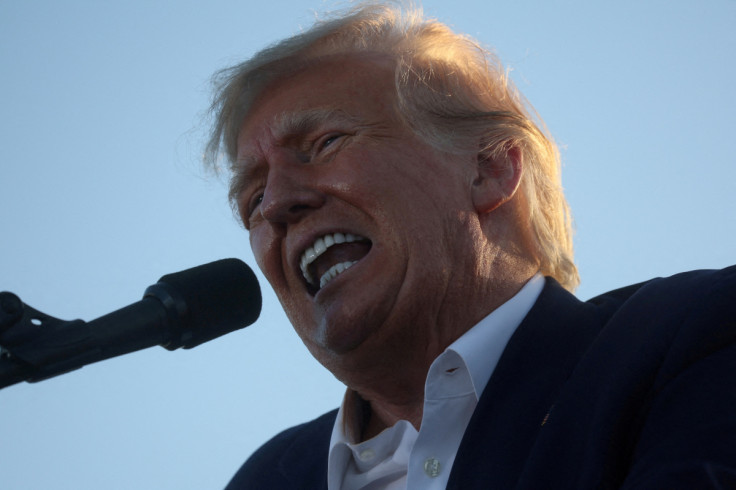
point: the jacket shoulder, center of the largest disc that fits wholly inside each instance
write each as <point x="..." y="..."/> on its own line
<point x="648" y="404"/>
<point x="693" y="290"/>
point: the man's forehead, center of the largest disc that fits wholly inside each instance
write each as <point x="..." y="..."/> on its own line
<point x="333" y="79"/>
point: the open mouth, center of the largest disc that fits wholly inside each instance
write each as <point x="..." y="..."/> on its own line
<point x="329" y="256"/>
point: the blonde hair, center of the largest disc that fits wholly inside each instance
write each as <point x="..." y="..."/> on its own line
<point x="450" y="90"/>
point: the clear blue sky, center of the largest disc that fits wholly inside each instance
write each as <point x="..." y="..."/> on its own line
<point x="101" y="193"/>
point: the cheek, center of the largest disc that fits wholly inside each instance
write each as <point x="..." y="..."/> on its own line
<point x="264" y="250"/>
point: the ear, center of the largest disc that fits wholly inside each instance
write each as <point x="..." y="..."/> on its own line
<point x="497" y="180"/>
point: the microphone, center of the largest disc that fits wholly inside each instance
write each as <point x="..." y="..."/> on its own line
<point x="183" y="309"/>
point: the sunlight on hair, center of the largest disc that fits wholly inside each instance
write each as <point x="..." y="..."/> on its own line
<point x="450" y="90"/>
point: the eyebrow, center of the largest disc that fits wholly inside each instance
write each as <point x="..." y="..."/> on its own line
<point x="294" y="123"/>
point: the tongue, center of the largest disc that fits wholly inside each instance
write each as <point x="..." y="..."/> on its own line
<point x="344" y="252"/>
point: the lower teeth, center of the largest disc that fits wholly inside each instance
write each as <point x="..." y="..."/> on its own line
<point x="334" y="271"/>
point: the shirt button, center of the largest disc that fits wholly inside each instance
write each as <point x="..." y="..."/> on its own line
<point x="432" y="467"/>
<point x="367" y="455"/>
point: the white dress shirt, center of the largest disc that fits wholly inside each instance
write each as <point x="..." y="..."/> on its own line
<point x="401" y="457"/>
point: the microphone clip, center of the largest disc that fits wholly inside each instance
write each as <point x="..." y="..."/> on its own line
<point x="30" y="340"/>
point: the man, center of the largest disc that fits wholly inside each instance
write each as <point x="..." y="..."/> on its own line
<point x="407" y="210"/>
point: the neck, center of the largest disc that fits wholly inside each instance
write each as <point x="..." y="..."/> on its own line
<point x="393" y="387"/>
<point x="389" y="392"/>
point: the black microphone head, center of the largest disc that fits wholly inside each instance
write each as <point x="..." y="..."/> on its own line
<point x="208" y="301"/>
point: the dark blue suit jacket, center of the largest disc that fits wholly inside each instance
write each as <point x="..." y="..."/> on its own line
<point x="634" y="389"/>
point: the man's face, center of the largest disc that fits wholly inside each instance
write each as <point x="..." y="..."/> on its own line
<point x="362" y="229"/>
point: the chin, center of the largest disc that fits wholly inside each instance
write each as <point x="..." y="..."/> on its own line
<point x="339" y="340"/>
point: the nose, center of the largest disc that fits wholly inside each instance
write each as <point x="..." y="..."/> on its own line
<point x="291" y="191"/>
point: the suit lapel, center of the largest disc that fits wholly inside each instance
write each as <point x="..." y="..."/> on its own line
<point x="538" y="360"/>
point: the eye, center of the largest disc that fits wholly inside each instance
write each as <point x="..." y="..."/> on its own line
<point x="326" y="141"/>
<point x="255" y="201"/>
<point x="248" y="206"/>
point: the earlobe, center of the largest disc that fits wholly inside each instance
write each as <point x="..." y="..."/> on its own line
<point x="498" y="180"/>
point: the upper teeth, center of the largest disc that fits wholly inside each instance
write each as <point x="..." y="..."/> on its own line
<point x="319" y="247"/>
